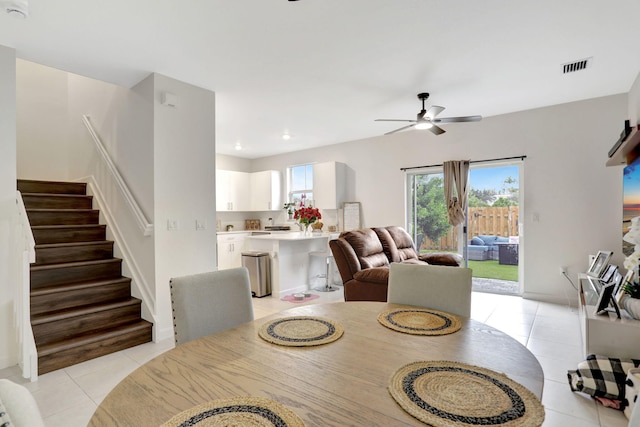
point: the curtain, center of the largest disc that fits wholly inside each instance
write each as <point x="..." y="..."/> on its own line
<point x="456" y="178"/>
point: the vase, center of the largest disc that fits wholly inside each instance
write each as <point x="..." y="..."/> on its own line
<point x="631" y="305"/>
<point x="307" y="230"/>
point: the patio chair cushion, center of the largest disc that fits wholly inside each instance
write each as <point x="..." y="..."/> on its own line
<point x="476" y="241"/>
<point x="488" y="240"/>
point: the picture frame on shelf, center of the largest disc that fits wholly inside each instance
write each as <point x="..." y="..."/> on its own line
<point x="628" y="278"/>
<point x="609" y="273"/>
<point x="606" y="299"/>
<point x="599" y="264"/>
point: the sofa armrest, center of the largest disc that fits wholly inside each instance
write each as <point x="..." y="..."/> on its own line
<point x="442" y="258"/>
<point x="373" y="275"/>
<point x="345" y="258"/>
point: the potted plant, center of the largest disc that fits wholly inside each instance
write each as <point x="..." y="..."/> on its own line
<point x="289" y="207"/>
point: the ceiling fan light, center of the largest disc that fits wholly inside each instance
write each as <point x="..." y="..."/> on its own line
<point x="423" y="125"/>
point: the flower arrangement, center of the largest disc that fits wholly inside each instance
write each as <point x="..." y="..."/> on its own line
<point x="306" y="215"/>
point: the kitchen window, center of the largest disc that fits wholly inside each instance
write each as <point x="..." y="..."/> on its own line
<point x="300" y="183"/>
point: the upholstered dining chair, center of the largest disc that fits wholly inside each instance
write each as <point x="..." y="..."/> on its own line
<point x="17" y="406"/>
<point x="206" y="303"/>
<point x="431" y="286"/>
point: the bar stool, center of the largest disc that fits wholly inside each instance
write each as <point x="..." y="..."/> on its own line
<point x="328" y="257"/>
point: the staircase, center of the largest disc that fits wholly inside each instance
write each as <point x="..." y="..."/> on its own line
<point x="81" y="305"/>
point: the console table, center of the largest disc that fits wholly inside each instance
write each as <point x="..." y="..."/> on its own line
<point x="605" y="334"/>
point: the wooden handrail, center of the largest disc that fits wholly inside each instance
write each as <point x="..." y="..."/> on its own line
<point x="145" y="226"/>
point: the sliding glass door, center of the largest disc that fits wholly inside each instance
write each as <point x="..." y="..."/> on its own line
<point x="490" y="239"/>
<point x="427" y="213"/>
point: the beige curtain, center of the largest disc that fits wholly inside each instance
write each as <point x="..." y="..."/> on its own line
<point x="456" y="178"/>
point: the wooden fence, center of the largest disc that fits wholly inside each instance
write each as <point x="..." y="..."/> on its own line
<point x="497" y="221"/>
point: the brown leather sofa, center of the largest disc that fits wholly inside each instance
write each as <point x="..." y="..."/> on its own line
<point x="363" y="257"/>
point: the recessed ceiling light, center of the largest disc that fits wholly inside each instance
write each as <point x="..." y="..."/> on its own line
<point x="16" y="8"/>
<point x="286" y="136"/>
<point x="238" y="147"/>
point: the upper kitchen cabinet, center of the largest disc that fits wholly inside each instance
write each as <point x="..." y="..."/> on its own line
<point x="330" y="185"/>
<point x="265" y="191"/>
<point x="233" y="191"/>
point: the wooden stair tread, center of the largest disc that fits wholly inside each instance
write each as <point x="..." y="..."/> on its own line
<point x="47" y="290"/>
<point x="61" y="195"/>
<point x="81" y="340"/>
<point x="39" y="319"/>
<point x="35" y="267"/>
<point x="72" y="244"/>
<point x="63" y="226"/>
<point x="62" y="210"/>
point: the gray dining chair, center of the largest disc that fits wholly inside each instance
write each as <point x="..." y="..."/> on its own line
<point x="431" y="286"/>
<point x="206" y="303"/>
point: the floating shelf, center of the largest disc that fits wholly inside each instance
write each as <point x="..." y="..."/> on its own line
<point x="628" y="151"/>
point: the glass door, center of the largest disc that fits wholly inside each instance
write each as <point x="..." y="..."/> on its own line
<point x="427" y="214"/>
<point x="490" y="239"/>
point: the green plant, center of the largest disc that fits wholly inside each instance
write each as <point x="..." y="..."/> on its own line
<point x="632" y="289"/>
<point x="289" y="207"/>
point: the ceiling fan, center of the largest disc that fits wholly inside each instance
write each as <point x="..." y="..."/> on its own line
<point x="426" y="119"/>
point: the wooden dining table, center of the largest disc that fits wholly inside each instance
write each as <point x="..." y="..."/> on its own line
<point x="343" y="383"/>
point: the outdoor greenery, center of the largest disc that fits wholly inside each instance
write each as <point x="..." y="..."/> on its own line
<point x="492" y="270"/>
<point x="431" y="215"/>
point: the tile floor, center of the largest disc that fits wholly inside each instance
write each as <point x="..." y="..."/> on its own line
<point x="69" y="397"/>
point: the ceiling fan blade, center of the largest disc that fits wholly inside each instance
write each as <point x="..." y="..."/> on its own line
<point x="399" y="129"/>
<point x="458" y="119"/>
<point x="437" y="130"/>
<point x="393" y="120"/>
<point x="434" y="110"/>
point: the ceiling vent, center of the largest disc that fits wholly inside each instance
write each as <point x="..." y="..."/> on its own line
<point x="574" y="66"/>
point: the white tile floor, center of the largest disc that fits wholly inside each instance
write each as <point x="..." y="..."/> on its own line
<point x="69" y="397"/>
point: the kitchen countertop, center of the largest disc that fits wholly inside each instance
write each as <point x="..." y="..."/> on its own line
<point x="291" y="235"/>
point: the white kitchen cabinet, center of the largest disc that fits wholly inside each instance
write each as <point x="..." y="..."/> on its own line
<point x="230" y="247"/>
<point x="329" y="185"/>
<point x="232" y="191"/>
<point x="265" y="191"/>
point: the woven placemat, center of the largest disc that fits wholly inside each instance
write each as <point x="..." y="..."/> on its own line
<point x="442" y="393"/>
<point x="237" y="411"/>
<point x="420" y="321"/>
<point x="301" y="331"/>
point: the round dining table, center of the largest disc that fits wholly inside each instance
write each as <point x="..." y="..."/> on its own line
<point x="342" y="383"/>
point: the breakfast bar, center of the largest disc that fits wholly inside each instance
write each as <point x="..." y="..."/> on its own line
<point x="289" y="253"/>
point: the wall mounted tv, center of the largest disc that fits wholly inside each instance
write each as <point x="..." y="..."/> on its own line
<point x="631" y="200"/>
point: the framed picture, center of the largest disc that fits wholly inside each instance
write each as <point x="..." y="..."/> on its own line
<point x="628" y="278"/>
<point x="599" y="264"/>
<point x="609" y="272"/>
<point x="606" y="299"/>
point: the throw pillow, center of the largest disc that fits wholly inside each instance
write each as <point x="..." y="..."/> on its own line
<point x="476" y="241"/>
<point x="601" y="376"/>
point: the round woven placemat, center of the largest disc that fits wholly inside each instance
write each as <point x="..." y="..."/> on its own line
<point x="442" y="393"/>
<point x="420" y="321"/>
<point x="237" y="411"/>
<point x="301" y="331"/>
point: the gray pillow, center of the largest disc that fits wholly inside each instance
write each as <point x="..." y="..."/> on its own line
<point x="477" y="241"/>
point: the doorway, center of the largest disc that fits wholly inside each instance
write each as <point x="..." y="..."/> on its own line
<point x="490" y="239"/>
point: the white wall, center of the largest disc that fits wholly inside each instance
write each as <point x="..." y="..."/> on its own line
<point x="42" y="122"/>
<point x="184" y="179"/>
<point x="8" y="222"/>
<point x="577" y="199"/>
<point x="634" y="102"/>
<point x="165" y="155"/>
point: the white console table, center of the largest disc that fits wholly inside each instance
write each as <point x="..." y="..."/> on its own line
<point x="605" y="334"/>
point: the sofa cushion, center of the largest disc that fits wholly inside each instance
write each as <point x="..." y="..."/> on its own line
<point x="502" y="239"/>
<point x="375" y="274"/>
<point x="440" y="258"/>
<point x="367" y="246"/>
<point x="397" y="243"/>
<point x="476" y="241"/>
<point x="488" y="240"/>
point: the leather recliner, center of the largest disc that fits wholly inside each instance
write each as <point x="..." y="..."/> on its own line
<point x="363" y="257"/>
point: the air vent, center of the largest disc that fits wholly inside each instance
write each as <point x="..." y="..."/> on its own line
<point x="574" y="66"/>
